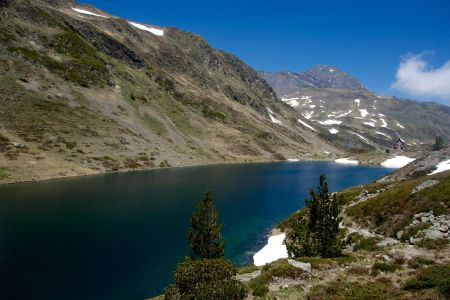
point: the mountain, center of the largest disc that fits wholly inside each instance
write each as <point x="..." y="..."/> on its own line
<point x="320" y="76"/>
<point x="356" y="119"/>
<point x="84" y="92"/>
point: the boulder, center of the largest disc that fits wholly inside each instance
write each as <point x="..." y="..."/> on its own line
<point x="304" y="266"/>
<point x="424" y="185"/>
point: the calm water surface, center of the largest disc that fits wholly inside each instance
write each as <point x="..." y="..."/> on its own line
<point x="120" y="236"/>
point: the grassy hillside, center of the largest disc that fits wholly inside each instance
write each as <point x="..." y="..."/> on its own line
<point x="83" y="94"/>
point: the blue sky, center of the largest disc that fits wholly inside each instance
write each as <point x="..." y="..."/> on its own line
<point x="364" y="38"/>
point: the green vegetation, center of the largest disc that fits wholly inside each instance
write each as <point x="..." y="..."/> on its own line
<point x="394" y="209"/>
<point x="434" y="277"/>
<point x="210" y="113"/>
<point x="278" y="269"/>
<point x="164" y="164"/>
<point x="315" y="233"/>
<point x="418" y="261"/>
<point x="411" y="231"/>
<point x="362" y="243"/>
<point x="354" y="291"/>
<point x="205" y="279"/>
<point x="432" y="244"/>
<point x="384" y="267"/>
<point x="205" y="238"/>
<point x="247" y="269"/>
<point x="206" y="274"/>
<point x="439" y="144"/>
<point x="3" y="173"/>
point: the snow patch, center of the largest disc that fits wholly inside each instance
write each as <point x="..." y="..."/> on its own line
<point x="291" y="101"/>
<point x="155" y="31"/>
<point x="306" y="124"/>
<point x="400" y="125"/>
<point x="441" y="167"/>
<point x="334" y="131"/>
<point x="330" y="122"/>
<point x="358" y="101"/>
<point x="293" y="159"/>
<point x="397" y="162"/>
<point x="86" y="12"/>
<point x="383" y="134"/>
<point x="363" y="112"/>
<point x="371" y="124"/>
<point x="360" y="136"/>
<point x="346" y="161"/>
<point x="308" y="115"/>
<point x="273" y="251"/>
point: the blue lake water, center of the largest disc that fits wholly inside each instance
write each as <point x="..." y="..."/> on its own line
<point x="120" y="236"/>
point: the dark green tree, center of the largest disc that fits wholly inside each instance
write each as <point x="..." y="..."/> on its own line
<point x="205" y="238"/>
<point x="315" y="230"/>
<point x="206" y="274"/>
<point x="439" y="144"/>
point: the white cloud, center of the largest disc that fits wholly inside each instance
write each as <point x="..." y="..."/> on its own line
<point x="416" y="77"/>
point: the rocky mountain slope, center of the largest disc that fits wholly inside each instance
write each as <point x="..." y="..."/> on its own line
<point x="84" y="92"/>
<point x="354" y="118"/>
<point x="320" y="76"/>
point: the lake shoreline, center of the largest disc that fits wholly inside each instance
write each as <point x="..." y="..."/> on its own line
<point x="56" y="177"/>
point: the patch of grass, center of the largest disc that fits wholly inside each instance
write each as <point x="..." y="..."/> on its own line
<point x="434" y="277"/>
<point x="323" y="263"/>
<point x="354" y="291"/>
<point x="213" y="114"/>
<point x="131" y="164"/>
<point x="362" y="243"/>
<point x="258" y="286"/>
<point x="384" y="267"/>
<point x="247" y="269"/>
<point x="70" y="144"/>
<point x="418" y="261"/>
<point x="281" y="268"/>
<point x="164" y="164"/>
<point x="393" y="210"/>
<point x="349" y="194"/>
<point x="3" y="173"/>
<point x="431" y="244"/>
<point x="359" y="271"/>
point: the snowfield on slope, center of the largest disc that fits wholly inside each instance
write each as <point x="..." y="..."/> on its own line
<point x="155" y="31"/>
<point x="86" y="12"/>
<point x="273" y="251"/>
<point x="397" y="162"/>
<point x="441" y="167"/>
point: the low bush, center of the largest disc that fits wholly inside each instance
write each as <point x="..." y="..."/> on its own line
<point x="434" y="277"/>
<point x="432" y="244"/>
<point x="417" y="262"/>
<point x="258" y="286"/>
<point x="383" y="267"/>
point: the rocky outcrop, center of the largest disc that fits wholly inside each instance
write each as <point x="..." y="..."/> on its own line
<point x="426" y="184"/>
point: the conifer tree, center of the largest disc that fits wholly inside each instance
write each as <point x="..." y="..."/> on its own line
<point x="315" y="230"/>
<point x="439" y="144"/>
<point x="205" y="239"/>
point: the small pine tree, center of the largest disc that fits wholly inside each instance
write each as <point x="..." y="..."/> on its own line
<point x="439" y="144"/>
<point x="205" y="239"/>
<point x="315" y="231"/>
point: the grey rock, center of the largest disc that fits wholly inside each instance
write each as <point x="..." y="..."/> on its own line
<point x="433" y="234"/>
<point x="304" y="266"/>
<point x="424" y="219"/>
<point x="248" y="276"/>
<point x="424" y="185"/>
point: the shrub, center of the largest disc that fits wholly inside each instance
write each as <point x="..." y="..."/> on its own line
<point x="367" y="244"/>
<point x="258" y="286"/>
<point x="433" y="277"/>
<point x="411" y="231"/>
<point x="383" y="267"/>
<point x="281" y="268"/>
<point x="418" y="261"/>
<point x="205" y="279"/>
<point x="431" y="244"/>
<point x="354" y="291"/>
